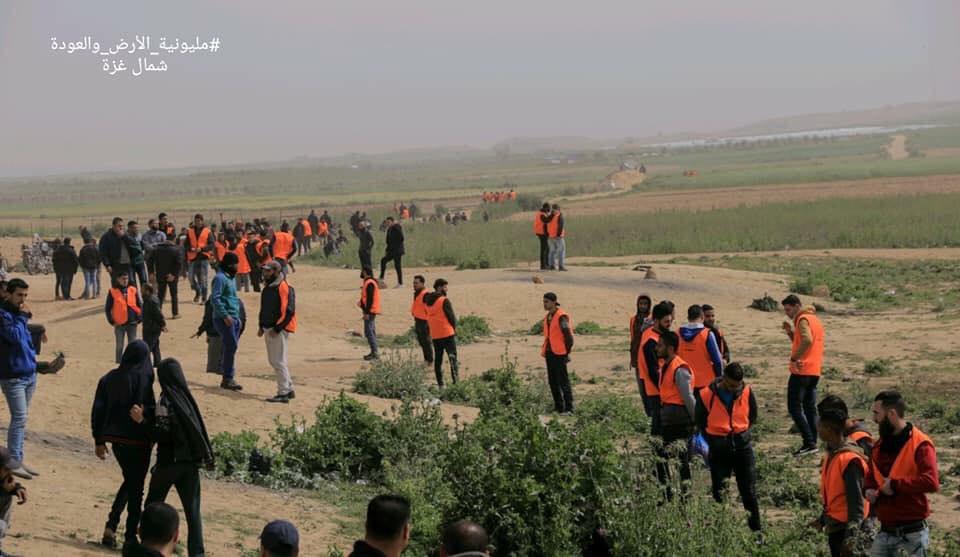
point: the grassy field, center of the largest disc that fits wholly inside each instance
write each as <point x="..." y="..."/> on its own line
<point x="890" y="222"/>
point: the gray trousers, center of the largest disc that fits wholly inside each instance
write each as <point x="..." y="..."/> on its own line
<point x="214" y="348"/>
<point x="130" y="332"/>
<point x="558" y="253"/>
<point x="277" y="356"/>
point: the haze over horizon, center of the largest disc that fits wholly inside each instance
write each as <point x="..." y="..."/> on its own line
<point x="302" y="78"/>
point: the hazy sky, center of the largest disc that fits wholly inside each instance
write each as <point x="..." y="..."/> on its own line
<point x="319" y="77"/>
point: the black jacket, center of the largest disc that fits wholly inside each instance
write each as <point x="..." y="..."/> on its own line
<point x="89" y="257"/>
<point x="153" y="321"/>
<point x="270" y="307"/>
<point x="395" y="240"/>
<point x="65" y="261"/>
<point x="366" y="241"/>
<point x="314" y="221"/>
<point x="110" y="248"/>
<point x="164" y="260"/>
<point x="363" y="549"/>
<point x="117" y="392"/>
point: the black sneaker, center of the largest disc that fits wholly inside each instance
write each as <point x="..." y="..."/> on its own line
<point x="291" y="395"/>
<point x="371" y="356"/>
<point x="283" y="399"/>
<point x="109" y="538"/>
<point x="196" y="298"/>
<point x="230" y="385"/>
<point x="805" y="450"/>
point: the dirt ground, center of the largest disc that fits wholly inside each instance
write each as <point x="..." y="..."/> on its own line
<point x="897" y="148"/>
<point x="69" y="501"/>
<point x="722" y="198"/>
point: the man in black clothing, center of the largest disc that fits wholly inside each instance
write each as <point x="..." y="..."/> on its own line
<point x="254" y="251"/>
<point x="89" y="259"/>
<point x="394" y="250"/>
<point x="314" y="221"/>
<point x="166" y="259"/>
<point x="442" y="323"/>
<point x="731" y="451"/>
<point x="131" y="384"/>
<point x="65" y="264"/>
<point x="116" y="249"/>
<point x="153" y="322"/>
<point x="366" y="245"/>
<point x="541" y="229"/>
<point x="387" y="528"/>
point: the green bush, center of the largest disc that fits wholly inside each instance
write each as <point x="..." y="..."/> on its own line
<point x="766" y="303"/>
<point x="878" y="366"/>
<point x="232" y="451"/>
<point x="779" y="485"/>
<point x="346" y="439"/>
<point x="471" y="328"/>
<point x="588" y="328"/>
<point x="394" y="375"/>
<point x="537" y="328"/>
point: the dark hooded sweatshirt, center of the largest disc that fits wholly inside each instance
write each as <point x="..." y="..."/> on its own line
<point x="128" y="385"/>
<point x="178" y="429"/>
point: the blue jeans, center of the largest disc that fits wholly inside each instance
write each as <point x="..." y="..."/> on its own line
<point x="370" y="332"/>
<point x="90" y="283"/>
<point x="199" y="272"/>
<point x="802" y="405"/>
<point x="98" y="282"/>
<point x="18" y="393"/>
<point x="229" y="337"/>
<point x="911" y="545"/>
<point x="121" y="332"/>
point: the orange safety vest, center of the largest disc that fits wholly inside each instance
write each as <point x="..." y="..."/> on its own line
<point x="553" y="334"/>
<point x="905" y="465"/>
<point x="553" y="225"/>
<point x="669" y="393"/>
<point x="437" y="321"/>
<point x="284" y="290"/>
<point x="833" y="491"/>
<point x="649" y="386"/>
<point x="220" y="250"/>
<point x="282" y="245"/>
<point x="720" y="422"/>
<point x="405" y="214"/>
<point x="858" y="435"/>
<point x="121" y="304"/>
<point x="513" y="196"/>
<point x="307" y="229"/>
<point x="695" y="353"/>
<point x="539" y="227"/>
<point x="811" y="362"/>
<point x="193" y="243"/>
<point x="375" y="306"/>
<point x="324" y="228"/>
<point x="418" y="309"/>
<point x="243" y="266"/>
<point x="263" y="253"/>
<point x="171" y="232"/>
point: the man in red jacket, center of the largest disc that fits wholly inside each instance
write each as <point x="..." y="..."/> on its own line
<point x="903" y="469"/>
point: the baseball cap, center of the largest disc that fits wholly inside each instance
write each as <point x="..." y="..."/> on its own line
<point x="272" y="264"/>
<point x="7" y="461"/>
<point x="280" y="536"/>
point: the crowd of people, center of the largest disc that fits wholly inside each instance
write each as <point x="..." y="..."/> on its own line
<point x="499" y="196"/>
<point x="691" y="390"/>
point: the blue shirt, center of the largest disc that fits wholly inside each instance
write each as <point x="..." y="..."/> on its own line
<point x="224" y="297"/>
<point x="18" y="358"/>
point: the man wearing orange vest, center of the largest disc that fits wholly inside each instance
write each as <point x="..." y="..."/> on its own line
<point x="726" y="410"/>
<point x="677" y="406"/>
<point x="369" y="304"/>
<point x="278" y="320"/>
<point x="283" y="246"/>
<point x="540" y="220"/>
<point x="842" y="474"/>
<point x="419" y="312"/>
<point x="639" y="322"/>
<point x="854" y="429"/>
<point x="903" y="470"/>
<point x="200" y="250"/>
<point x="556" y="238"/>
<point x="649" y="363"/>
<point x="557" y="345"/>
<point x="237" y="245"/>
<point x="699" y="348"/>
<point x="442" y="323"/>
<point x="124" y="313"/>
<point x="710" y="322"/>
<point x="806" y="359"/>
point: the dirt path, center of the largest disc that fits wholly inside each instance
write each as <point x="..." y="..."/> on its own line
<point x="70" y="500"/>
<point x="897" y="148"/>
<point x="722" y="198"/>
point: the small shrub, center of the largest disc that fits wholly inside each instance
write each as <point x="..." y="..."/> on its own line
<point x="233" y="451"/>
<point x="409" y="338"/>
<point x="392" y="376"/>
<point x="878" y="366"/>
<point x="778" y="484"/>
<point x="766" y="303"/>
<point x="537" y="328"/>
<point x="588" y="328"/>
<point x="831" y="372"/>
<point x="471" y="327"/>
<point x="750" y="371"/>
